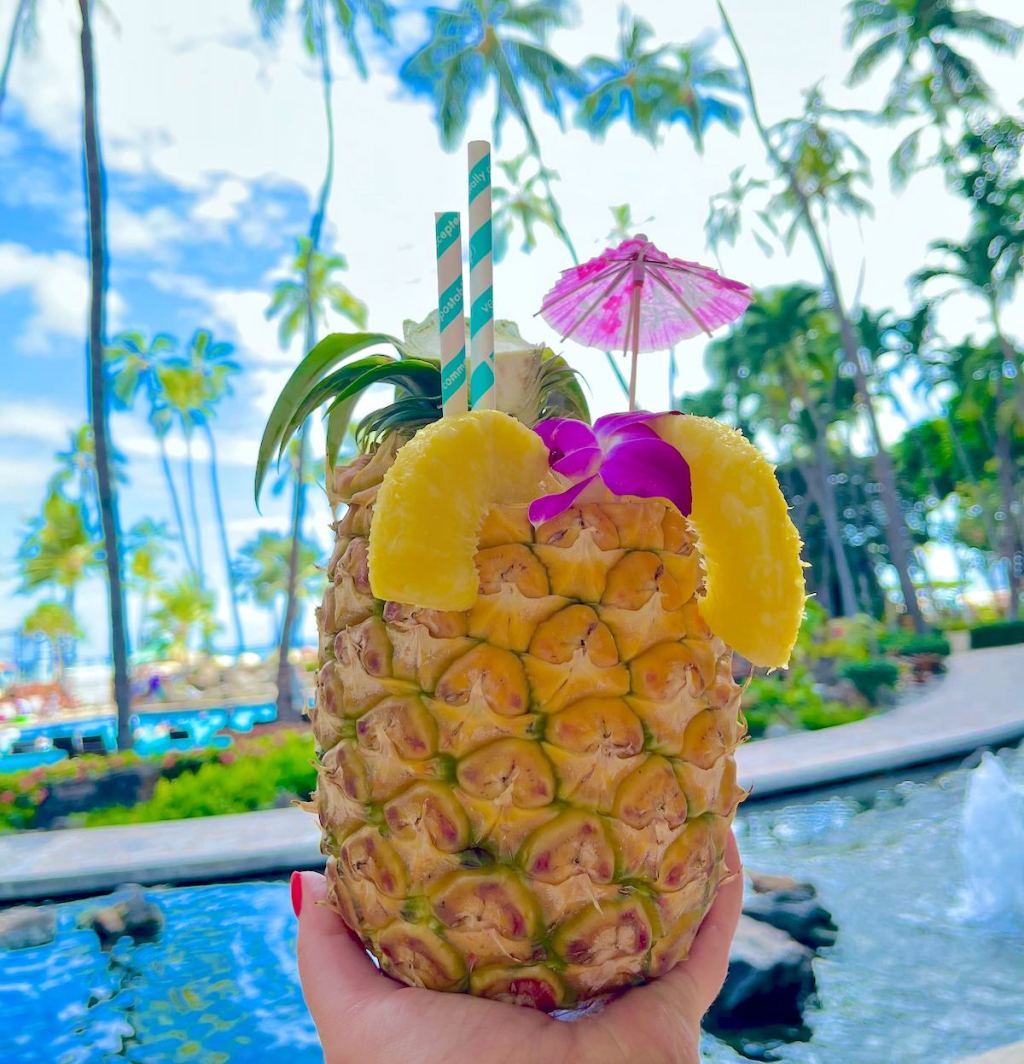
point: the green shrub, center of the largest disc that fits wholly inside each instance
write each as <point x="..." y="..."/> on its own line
<point x="997" y="634"/>
<point x="272" y="763"/>
<point x="814" y="717"/>
<point x="870" y="677"/>
<point x="907" y="646"/>
<point x="236" y="782"/>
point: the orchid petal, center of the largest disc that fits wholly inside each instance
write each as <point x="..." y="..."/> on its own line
<point x="549" y="506"/>
<point x="648" y="468"/>
<point x="565" y="434"/>
<point x="612" y="424"/>
<point x="578" y="463"/>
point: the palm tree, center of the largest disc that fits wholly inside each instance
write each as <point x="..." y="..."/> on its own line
<point x="183" y="617"/>
<point x="99" y="398"/>
<point x="314" y="18"/>
<point x="655" y="86"/>
<point x="77" y="465"/>
<point x="135" y="368"/>
<point x="518" y="204"/>
<point x="783" y="354"/>
<point x="820" y="170"/>
<point x="184" y="392"/>
<point x="501" y="45"/>
<point x="988" y="265"/>
<point x="58" y="550"/>
<point x="145" y="548"/>
<point x="214" y="364"/>
<point x="935" y="79"/>
<point x="23" y="30"/>
<point x="304" y="301"/>
<point x="56" y="624"/>
<point x="261" y="572"/>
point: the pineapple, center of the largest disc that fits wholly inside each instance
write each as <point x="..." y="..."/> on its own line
<point x="526" y="734"/>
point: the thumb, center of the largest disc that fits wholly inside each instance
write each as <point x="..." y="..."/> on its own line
<point x="697" y="981"/>
<point x="335" y="971"/>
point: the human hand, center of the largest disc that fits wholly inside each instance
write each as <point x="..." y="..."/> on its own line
<point x="363" y="1015"/>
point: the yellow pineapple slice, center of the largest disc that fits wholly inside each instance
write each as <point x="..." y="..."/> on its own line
<point x="432" y="503"/>
<point x="755" y="579"/>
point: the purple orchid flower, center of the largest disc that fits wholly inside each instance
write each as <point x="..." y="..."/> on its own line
<point x="621" y="450"/>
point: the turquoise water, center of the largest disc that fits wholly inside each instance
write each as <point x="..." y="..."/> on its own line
<point x="909" y="981"/>
<point x="151" y="732"/>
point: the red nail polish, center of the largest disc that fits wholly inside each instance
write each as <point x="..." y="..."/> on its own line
<point x="296" y="889"/>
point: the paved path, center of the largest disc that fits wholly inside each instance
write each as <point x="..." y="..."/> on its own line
<point x="980" y="703"/>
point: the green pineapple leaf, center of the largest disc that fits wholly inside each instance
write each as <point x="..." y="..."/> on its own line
<point x="327" y="353"/>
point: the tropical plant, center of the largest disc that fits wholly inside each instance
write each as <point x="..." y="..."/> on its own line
<point x="935" y="79"/>
<point x="261" y="573"/>
<point x="24" y="32"/>
<point x="820" y="169"/>
<point x="58" y="550"/>
<point x="55" y="623"/>
<point x="183" y="618"/>
<point x="134" y="365"/>
<point x="498" y="45"/>
<point x="518" y="204"/>
<point x="654" y="86"/>
<point x="313" y="289"/>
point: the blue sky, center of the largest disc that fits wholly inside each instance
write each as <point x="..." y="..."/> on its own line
<point x="214" y="148"/>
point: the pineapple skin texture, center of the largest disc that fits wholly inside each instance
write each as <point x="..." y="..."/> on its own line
<point x="530" y="800"/>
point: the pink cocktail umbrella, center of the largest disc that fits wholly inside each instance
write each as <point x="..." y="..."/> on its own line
<point x="635" y="298"/>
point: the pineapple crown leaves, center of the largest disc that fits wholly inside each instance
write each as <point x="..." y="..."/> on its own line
<point x="552" y="389"/>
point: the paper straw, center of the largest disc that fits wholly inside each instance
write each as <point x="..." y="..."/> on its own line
<point x="481" y="270"/>
<point x="451" y="313"/>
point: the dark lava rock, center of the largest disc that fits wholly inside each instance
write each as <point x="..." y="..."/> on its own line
<point x="27" y="925"/>
<point x="126" y="786"/>
<point x="799" y="916"/>
<point x="132" y="914"/>
<point x="770" y="979"/>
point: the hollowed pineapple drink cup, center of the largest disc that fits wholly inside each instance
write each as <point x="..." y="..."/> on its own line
<point x="525" y="709"/>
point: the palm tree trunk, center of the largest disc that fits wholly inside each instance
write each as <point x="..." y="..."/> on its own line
<point x="834" y="534"/>
<point x="179" y="517"/>
<point x="286" y="707"/>
<point x="98" y="399"/>
<point x="193" y="510"/>
<point x="896" y="530"/>
<point x="222" y="528"/>
<point x="20" y="13"/>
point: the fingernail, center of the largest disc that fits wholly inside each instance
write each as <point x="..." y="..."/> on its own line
<point x="296" y="889"/>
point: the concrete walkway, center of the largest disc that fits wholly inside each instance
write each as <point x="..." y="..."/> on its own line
<point x="979" y="703"/>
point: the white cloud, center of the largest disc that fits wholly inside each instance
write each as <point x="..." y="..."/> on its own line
<point x="59" y="289"/>
<point x="151" y="232"/>
<point x="21" y="472"/>
<point x="222" y="202"/>
<point x="136" y="441"/>
<point x="38" y="421"/>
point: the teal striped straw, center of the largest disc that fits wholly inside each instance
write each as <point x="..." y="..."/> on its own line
<point x="451" y="321"/>
<point x="481" y="271"/>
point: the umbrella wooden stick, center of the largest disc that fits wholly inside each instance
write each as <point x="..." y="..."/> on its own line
<point x="679" y="299"/>
<point x="634" y="339"/>
<point x="586" y="312"/>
